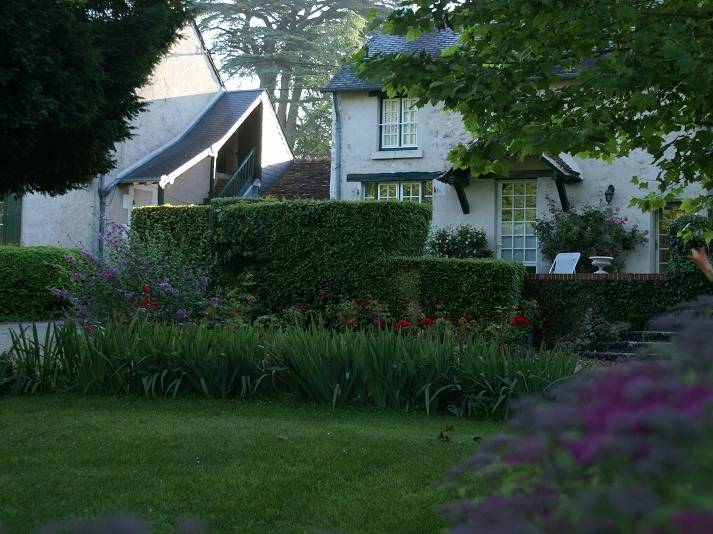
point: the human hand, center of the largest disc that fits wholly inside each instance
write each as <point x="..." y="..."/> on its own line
<point x="700" y="258"/>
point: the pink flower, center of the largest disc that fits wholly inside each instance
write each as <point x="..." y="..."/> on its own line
<point x="625" y="218"/>
<point x="573" y="210"/>
<point x="646" y="232"/>
<point x="617" y="220"/>
<point x="617" y="209"/>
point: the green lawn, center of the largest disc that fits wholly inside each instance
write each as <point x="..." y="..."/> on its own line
<point x="239" y="466"/>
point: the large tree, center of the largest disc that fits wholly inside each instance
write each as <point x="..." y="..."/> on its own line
<point x="292" y="47"/>
<point x="68" y="74"/>
<point x="598" y="78"/>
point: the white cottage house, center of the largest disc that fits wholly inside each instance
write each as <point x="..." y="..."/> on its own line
<point x="195" y="140"/>
<point x="386" y="149"/>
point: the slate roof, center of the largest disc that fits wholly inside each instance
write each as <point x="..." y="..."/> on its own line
<point x="346" y="79"/>
<point x="306" y="178"/>
<point x="231" y="108"/>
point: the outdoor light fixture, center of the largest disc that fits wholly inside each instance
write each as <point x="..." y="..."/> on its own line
<point x="609" y="194"/>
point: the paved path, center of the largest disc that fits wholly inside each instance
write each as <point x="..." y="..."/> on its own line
<point x="6" y="328"/>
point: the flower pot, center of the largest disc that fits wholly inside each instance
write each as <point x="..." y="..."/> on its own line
<point x="600" y="262"/>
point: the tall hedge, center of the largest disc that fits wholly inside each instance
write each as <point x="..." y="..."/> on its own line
<point x="476" y="287"/>
<point x="297" y="248"/>
<point x="185" y="228"/>
<point x="26" y="276"/>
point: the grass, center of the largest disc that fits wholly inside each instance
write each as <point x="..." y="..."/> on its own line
<point x="238" y="466"/>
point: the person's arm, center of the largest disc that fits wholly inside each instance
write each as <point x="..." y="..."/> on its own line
<point x="702" y="261"/>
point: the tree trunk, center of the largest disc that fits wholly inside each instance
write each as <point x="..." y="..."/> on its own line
<point x="293" y="114"/>
<point x="283" y="97"/>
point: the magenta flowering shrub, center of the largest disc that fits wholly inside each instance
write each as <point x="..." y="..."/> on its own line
<point x="623" y="449"/>
<point x="135" y="276"/>
<point x="590" y="230"/>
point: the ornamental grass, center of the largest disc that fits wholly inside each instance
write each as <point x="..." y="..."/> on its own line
<point x="385" y="369"/>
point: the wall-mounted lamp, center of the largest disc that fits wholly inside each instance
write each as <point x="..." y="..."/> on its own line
<point x="609" y="194"/>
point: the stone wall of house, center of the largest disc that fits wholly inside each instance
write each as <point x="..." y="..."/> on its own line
<point x="438" y="131"/>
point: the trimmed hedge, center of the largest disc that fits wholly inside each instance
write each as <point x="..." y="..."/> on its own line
<point x="476" y="287"/>
<point x="295" y="249"/>
<point x="187" y="228"/>
<point x="26" y="276"/>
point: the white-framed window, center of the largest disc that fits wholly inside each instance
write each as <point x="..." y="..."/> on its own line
<point x="517" y="206"/>
<point x="665" y="217"/>
<point x="398" y="123"/>
<point x="400" y="191"/>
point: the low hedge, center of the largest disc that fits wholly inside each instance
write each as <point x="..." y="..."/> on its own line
<point x="476" y="287"/>
<point x="296" y="249"/>
<point x="186" y="227"/>
<point x="26" y="276"/>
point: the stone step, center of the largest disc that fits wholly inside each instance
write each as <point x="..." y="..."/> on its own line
<point x="607" y="355"/>
<point x="649" y="335"/>
<point x="634" y="346"/>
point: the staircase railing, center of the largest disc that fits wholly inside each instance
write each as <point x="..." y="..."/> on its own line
<point x="242" y="177"/>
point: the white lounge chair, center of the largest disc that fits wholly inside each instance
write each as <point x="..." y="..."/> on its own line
<point x="565" y="263"/>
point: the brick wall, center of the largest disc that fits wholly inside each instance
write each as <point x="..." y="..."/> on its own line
<point x="592" y="276"/>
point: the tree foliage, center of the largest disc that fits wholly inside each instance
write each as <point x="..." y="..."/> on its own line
<point x="292" y="48"/>
<point x="596" y="78"/>
<point x="68" y="74"/>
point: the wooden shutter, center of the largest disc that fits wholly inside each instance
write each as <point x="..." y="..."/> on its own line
<point x="11" y="214"/>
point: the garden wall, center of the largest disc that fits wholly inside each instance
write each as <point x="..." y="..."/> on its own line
<point x="575" y="304"/>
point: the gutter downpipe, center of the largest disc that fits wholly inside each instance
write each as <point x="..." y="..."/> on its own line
<point x="336" y="179"/>
<point x="103" y="193"/>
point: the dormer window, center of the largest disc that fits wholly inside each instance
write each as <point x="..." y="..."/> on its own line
<point x="397" y="128"/>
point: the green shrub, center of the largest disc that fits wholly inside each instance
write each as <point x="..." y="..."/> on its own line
<point x="590" y="230"/>
<point x="682" y="273"/>
<point x="297" y="248"/>
<point x="26" y="276"/>
<point x="477" y="287"/>
<point x="183" y="229"/>
<point x="463" y="241"/>
<point x="383" y="368"/>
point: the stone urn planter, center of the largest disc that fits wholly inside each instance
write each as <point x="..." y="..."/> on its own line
<point x="600" y="262"/>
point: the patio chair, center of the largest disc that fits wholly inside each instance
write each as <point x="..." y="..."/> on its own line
<point x="565" y="263"/>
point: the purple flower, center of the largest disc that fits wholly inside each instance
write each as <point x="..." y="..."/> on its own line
<point x="181" y="313"/>
<point x="59" y="293"/>
<point x="203" y="281"/>
<point x="108" y="273"/>
<point x="71" y="260"/>
<point x="78" y="275"/>
<point x="214" y="301"/>
<point x="87" y="255"/>
<point x="692" y="521"/>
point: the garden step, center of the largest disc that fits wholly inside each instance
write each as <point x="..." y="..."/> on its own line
<point x="634" y="346"/>
<point x="607" y="355"/>
<point x="649" y="335"/>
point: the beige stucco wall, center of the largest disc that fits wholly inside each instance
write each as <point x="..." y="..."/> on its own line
<point x="438" y="131"/>
<point x="181" y="87"/>
<point x="191" y="187"/>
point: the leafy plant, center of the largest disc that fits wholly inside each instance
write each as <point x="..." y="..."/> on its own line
<point x="621" y="449"/>
<point x="383" y="368"/>
<point x="138" y="275"/>
<point x="463" y="241"/>
<point x="590" y="230"/>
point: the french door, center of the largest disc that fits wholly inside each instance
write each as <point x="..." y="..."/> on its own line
<point x="517" y="213"/>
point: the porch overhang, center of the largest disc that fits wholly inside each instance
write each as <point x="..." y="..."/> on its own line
<point x="394" y="177"/>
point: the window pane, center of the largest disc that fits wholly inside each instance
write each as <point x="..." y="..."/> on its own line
<point x="388" y="191"/>
<point x="411" y="192"/>
<point x="519" y="242"/>
<point x="507" y="189"/>
<point x="506" y="254"/>
<point x="520" y="188"/>
<point x="531" y="188"/>
<point x="507" y="242"/>
<point x="369" y="191"/>
<point x="519" y="202"/>
<point x="531" y="201"/>
<point x="531" y="242"/>
<point x="530" y="215"/>
<point x="531" y="255"/>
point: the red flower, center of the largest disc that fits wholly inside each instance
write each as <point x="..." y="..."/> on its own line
<point x="520" y="320"/>
<point x="89" y="328"/>
<point x="427" y="321"/>
<point x="402" y="324"/>
<point x="145" y="289"/>
<point x="233" y="314"/>
<point x="349" y="323"/>
<point x="148" y="304"/>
